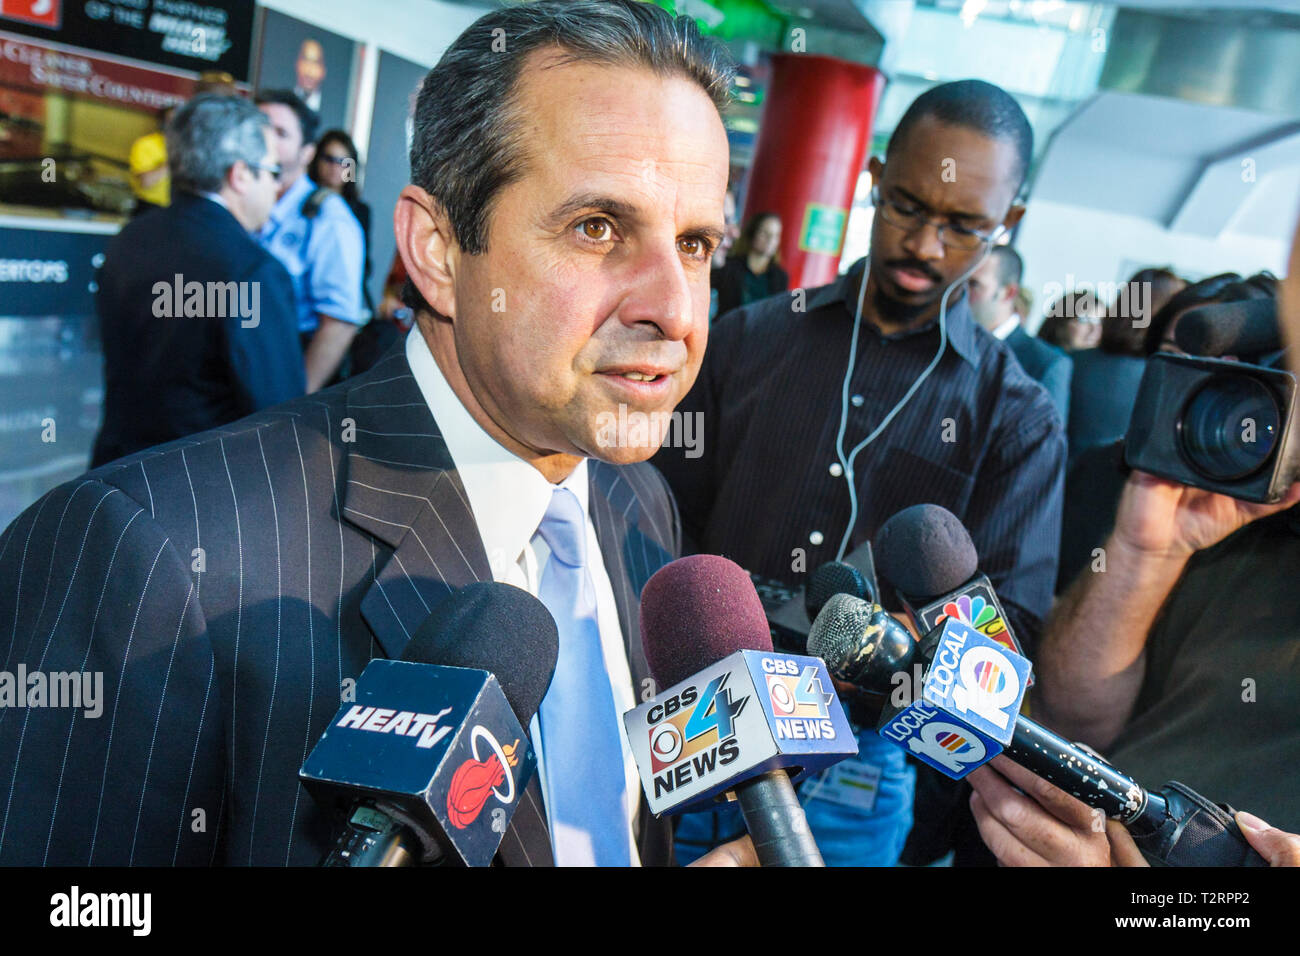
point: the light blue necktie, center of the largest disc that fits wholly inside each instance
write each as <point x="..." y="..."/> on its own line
<point x="581" y="746"/>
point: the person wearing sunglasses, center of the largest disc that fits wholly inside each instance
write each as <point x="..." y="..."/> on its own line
<point x="197" y="319"/>
<point x="336" y="167"/>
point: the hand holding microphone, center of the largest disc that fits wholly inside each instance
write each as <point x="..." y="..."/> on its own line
<point x="966" y="708"/>
<point x="1026" y="821"/>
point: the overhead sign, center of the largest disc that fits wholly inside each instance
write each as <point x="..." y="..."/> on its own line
<point x="192" y="35"/>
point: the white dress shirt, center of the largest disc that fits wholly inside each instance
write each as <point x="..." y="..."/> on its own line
<point x="1008" y="326"/>
<point x="509" y="498"/>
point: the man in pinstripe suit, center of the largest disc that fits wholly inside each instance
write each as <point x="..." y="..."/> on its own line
<point x="229" y="585"/>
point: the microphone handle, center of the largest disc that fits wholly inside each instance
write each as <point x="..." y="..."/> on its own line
<point x="776" y="822"/>
<point x="372" y="838"/>
<point x="1081" y="774"/>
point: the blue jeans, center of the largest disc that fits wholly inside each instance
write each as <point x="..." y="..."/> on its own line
<point x="851" y="827"/>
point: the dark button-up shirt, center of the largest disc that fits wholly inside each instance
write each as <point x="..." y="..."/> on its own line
<point x="979" y="437"/>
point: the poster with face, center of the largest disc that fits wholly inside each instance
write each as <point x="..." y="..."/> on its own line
<point x="312" y="62"/>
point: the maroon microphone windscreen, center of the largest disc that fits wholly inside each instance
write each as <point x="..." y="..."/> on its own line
<point x="694" y="612"/>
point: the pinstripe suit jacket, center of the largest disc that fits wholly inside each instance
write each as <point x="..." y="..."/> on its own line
<point x="226" y="585"/>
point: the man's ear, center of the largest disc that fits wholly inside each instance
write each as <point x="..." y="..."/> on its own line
<point x="877" y="169"/>
<point x="1014" y="215"/>
<point x="237" y="177"/>
<point x="425" y="243"/>
<point x="307" y="154"/>
<point x="1012" y="289"/>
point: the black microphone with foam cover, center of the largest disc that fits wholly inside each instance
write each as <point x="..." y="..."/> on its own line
<point x="430" y="740"/>
<point x="706" y="640"/>
<point x="855" y="575"/>
<point x="1245" y="328"/>
<point x="927" y="554"/>
<point x="834" y="577"/>
<point x="857" y="649"/>
<point x="521" y="653"/>
<point x="924" y="551"/>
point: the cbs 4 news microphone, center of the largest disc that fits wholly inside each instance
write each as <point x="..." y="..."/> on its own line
<point x="965" y="708"/>
<point x="735" y="719"/>
<point x="427" y="764"/>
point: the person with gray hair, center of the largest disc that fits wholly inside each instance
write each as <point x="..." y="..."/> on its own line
<point x="197" y="320"/>
<point x="566" y="197"/>
<point x="206" y="138"/>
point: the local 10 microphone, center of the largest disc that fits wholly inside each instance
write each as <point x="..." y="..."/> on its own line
<point x="968" y="711"/>
<point x="927" y="554"/>
<point x="734" y="717"/>
<point x="428" y="762"/>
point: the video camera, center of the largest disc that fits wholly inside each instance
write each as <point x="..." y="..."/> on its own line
<point x="1214" y="423"/>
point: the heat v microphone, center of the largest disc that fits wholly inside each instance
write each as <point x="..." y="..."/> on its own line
<point x="732" y="716"/>
<point x="428" y="762"/>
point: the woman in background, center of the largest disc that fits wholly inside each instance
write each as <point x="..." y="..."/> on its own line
<point x="335" y="167"/>
<point x="752" y="270"/>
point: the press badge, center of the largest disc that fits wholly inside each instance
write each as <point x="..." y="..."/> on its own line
<point x="849" y="783"/>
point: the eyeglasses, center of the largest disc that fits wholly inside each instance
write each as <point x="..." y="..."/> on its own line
<point x="336" y="160"/>
<point x="910" y="218"/>
<point x="275" y="170"/>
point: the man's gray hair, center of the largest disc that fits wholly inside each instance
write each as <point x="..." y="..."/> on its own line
<point x="208" y="135"/>
<point x="467" y="129"/>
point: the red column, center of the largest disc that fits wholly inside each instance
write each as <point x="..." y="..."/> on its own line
<point x="812" y="144"/>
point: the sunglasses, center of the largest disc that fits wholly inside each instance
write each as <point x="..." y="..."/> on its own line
<point x="275" y="170"/>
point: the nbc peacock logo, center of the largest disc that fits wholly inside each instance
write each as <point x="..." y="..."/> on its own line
<point x="972" y="611"/>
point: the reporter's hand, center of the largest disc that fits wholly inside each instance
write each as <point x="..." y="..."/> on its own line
<point x="1123" y="851"/>
<point x="1043" y="826"/>
<point x="736" y="853"/>
<point x="1164" y="519"/>
<point x="1277" y="846"/>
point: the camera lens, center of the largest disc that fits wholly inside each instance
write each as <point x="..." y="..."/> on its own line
<point x="1230" y="427"/>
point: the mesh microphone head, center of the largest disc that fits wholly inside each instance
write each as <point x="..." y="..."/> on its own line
<point x="497" y="628"/>
<point x="694" y="612"/>
<point x="925" y="551"/>
<point x="836" y="577"/>
<point x="837" y="628"/>
<point x="861" y="643"/>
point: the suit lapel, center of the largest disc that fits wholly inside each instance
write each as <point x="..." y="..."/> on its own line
<point x="614" y="511"/>
<point x="630" y="557"/>
<point x="402" y="488"/>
